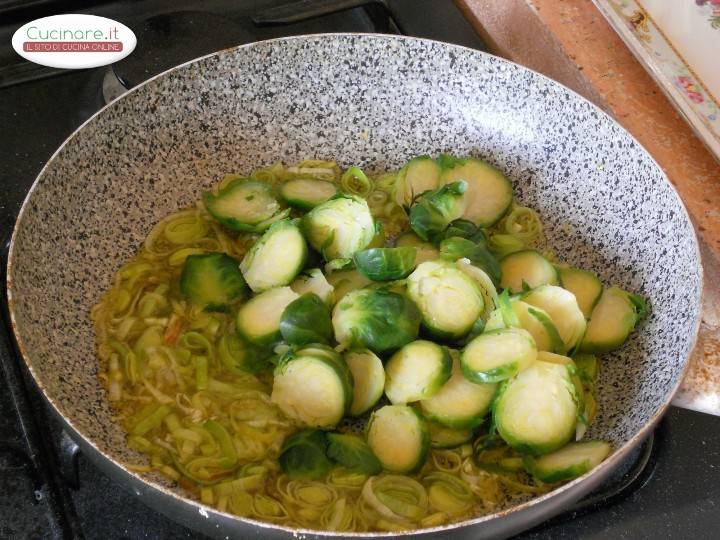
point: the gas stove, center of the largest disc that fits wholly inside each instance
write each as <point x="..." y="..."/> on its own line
<point x="666" y="488"/>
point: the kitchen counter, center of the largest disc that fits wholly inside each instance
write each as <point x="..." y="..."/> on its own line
<point x="571" y="42"/>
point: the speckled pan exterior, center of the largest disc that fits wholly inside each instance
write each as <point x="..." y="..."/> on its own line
<point x="373" y="101"/>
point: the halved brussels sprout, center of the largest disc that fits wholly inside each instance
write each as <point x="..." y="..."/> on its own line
<point x="306" y="320"/>
<point x="455" y="248"/>
<point x="212" y="281"/>
<point x="459" y="404"/>
<point x="563" y="310"/>
<point x="536" y="412"/>
<point x="433" y="211"/>
<point x="352" y="452"/>
<point x="339" y="227"/>
<point x="314" y="281"/>
<point x="258" y="320"/>
<point x="546" y="338"/>
<point x="306" y="193"/>
<point x="571" y="461"/>
<point x="245" y="205"/>
<point x="613" y="319"/>
<point x="276" y="258"/>
<point x="450" y="301"/>
<point x="417" y="371"/>
<point x="584" y="284"/>
<point x="419" y="175"/>
<point x="303" y="455"/>
<point x="526" y="269"/>
<point x="368" y="379"/>
<point x="399" y="437"/>
<point x="498" y="355"/>
<point x="384" y="264"/>
<point x="489" y="193"/>
<point x="375" y="318"/>
<point x="313" y="385"/>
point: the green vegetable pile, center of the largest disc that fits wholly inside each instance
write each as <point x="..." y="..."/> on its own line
<point x="340" y="351"/>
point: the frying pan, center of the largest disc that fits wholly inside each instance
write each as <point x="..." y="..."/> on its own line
<point x="373" y="101"/>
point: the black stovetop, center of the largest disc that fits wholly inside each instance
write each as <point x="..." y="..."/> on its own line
<point x="667" y="489"/>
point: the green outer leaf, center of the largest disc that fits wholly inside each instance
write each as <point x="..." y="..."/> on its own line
<point x="303" y="455"/>
<point x="203" y="273"/>
<point x="306" y="320"/>
<point x="455" y="248"/>
<point x="434" y="210"/>
<point x="448" y="162"/>
<point x="641" y="306"/>
<point x="377" y="319"/>
<point x="353" y="453"/>
<point x="588" y="367"/>
<point x="556" y="344"/>
<point x="384" y="264"/>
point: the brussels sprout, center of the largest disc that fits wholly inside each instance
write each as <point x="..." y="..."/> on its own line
<point x="339" y="227"/>
<point x="455" y="248"/>
<point x="303" y="455"/>
<point x="616" y="314"/>
<point x="313" y="385"/>
<point x="399" y="437"/>
<point x="212" y="281"/>
<point x="239" y="356"/>
<point x="569" y="462"/>
<point x="526" y="269"/>
<point x="276" y="258"/>
<point x="245" y="205"/>
<point x="305" y="193"/>
<point x="459" y="404"/>
<point x="450" y="301"/>
<point x="306" y="320"/>
<point x="417" y="371"/>
<point x="352" y="452"/>
<point x="536" y="412"/>
<point x="419" y="175"/>
<point x="563" y="309"/>
<point x="432" y="212"/>
<point x="489" y="194"/>
<point x="258" y="320"/>
<point x="314" y="281"/>
<point x="368" y="379"/>
<point x="533" y="319"/>
<point x="377" y="319"/>
<point x="384" y="264"/>
<point x="498" y="355"/>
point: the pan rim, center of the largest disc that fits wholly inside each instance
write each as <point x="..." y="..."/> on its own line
<point x="604" y="468"/>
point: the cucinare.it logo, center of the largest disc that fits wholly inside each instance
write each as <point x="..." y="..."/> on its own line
<point x="74" y="41"/>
